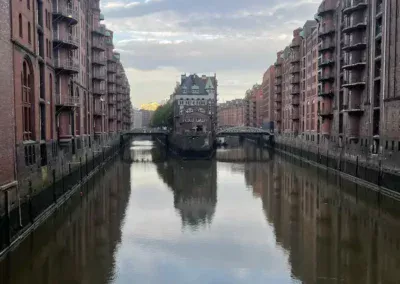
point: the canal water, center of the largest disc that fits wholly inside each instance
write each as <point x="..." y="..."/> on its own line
<point x="246" y="217"/>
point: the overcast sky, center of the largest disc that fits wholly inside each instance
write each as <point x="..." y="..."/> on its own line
<point x="236" y="39"/>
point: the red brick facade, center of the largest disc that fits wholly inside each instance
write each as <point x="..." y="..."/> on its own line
<point x="231" y="113"/>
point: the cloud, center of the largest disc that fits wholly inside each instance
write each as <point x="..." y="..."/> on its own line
<point x="228" y="37"/>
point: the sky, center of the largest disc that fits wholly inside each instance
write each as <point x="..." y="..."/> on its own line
<point x="235" y="39"/>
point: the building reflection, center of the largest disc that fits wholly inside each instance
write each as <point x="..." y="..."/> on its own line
<point x="194" y="184"/>
<point x="333" y="230"/>
<point x="247" y="153"/>
<point x="77" y="243"/>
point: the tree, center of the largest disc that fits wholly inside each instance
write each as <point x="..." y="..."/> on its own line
<point x="163" y="116"/>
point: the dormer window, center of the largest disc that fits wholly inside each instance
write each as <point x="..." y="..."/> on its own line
<point x="184" y="90"/>
<point x="195" y="89"/>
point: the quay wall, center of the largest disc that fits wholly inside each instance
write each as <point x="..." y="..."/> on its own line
<point x="378" y="169"/>
<point x="41" y="189"/>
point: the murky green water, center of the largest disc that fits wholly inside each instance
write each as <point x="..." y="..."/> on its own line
<point x="246" y="217"/>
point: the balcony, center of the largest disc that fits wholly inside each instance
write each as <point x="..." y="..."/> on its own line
<point x="111" y="68"/>
<point x="354" y="5"/>
<point x="101" y="30"/>
<point x="355" y="64"/>
<point x="296" y="100"/>
<point x="295" y="80"/>
<point x="112" y="100"/>
<point x="326" y="46"/>
<point x="326" y="31"/>
<point x="326" y="77"/>
<point x="278" y="98"/>
<point x="98" y="90"/>
<point x="354" y="83"/>
<point x="325" y="112"/>
<point x="354" y="108"/>
<point x="325" y="8"/>
<point x="352" y="26"/>
<point x="295" y="43"/>
<point x="278" y="105"/>
<point x="98" y="44"/>
<point x="67" y="101"/>
<point x="278" y="62"/>
<point x="111" y="80"/>
<point x="112" y="89"/>
<point x="328" y="94"/>
<point x="295" y="58"/>
<point x="66" y="40"/>
<point x="100" y="76"/>
<point x="278" y="82"/>
<point x="278" y="74"/>
<point x="295" y="115"/>
<point x="352" y="45"/>
<point x="98" y="111"/>
<point x="295" y="90"/>
<point x="97" y="60"/>
<point x="326" y="62"/>
<point x="66" y="65"/>
<point x="294" y="69"/>
<point x="64" y="13"/>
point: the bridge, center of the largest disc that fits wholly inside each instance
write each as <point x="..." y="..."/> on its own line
<point x="146" y="132"/>
<point x="242" y="131"/>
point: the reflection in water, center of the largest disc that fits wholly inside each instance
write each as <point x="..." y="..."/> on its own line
<point x="77" y="243"/>
<point x="194" y="187"/>
<point x="275" y="222"/>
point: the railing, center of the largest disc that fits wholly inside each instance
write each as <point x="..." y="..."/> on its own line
<point x="295" y="80"/>
<point x="352" y="5"/>
<point x="98" y="43"/>
<point x="326" y="29"/>
<point x="327" y="45"/>
<point x="67" y="64"/>
<point x="98" y="90"/>
<point x="362" y="60"/>
<point x="66" y="12"/>
<point x="294" y="69"/>
<point x="99" y="75"/>
<point x="101" y="30"/>
<point x="67" y="100"/>
<point x="99" y="60"/>
<point x="66" y="38"/>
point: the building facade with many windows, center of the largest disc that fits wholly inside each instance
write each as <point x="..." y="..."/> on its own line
<point x="336" y="83"/>
<point x="60" y="55"/>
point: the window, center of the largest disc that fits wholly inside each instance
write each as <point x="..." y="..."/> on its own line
<point x="29" y="33"/>
<point x="47" y="18"/>
<point x="28" y="4"/>
<point x="27" y="101"/>
<point x="47" y="47"/>
<point x="20" y="26"/>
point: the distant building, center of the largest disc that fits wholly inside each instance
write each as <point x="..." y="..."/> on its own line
<point x="231" y="113"/>
<point x="147" y="115"/>
<point x="268" y="90"/>
<point x="253" y="106"/>
<point x="137" y="118"/>
<point x="195" y="104"/>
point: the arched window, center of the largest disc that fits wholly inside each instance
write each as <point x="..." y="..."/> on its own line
<point x="20" y="26"/>
<point x="29" y="33"/>
<point x="27" y="101"/>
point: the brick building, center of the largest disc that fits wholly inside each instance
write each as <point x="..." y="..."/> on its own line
<point x="7" y="121"/>
<point x="231" y="113"/>
<point x="253" y="106"/>
<point x="267" y="109"/>
<point x="195" y="104"/>
<point x="62" y="61"/>
<point x="350" y="99"/>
